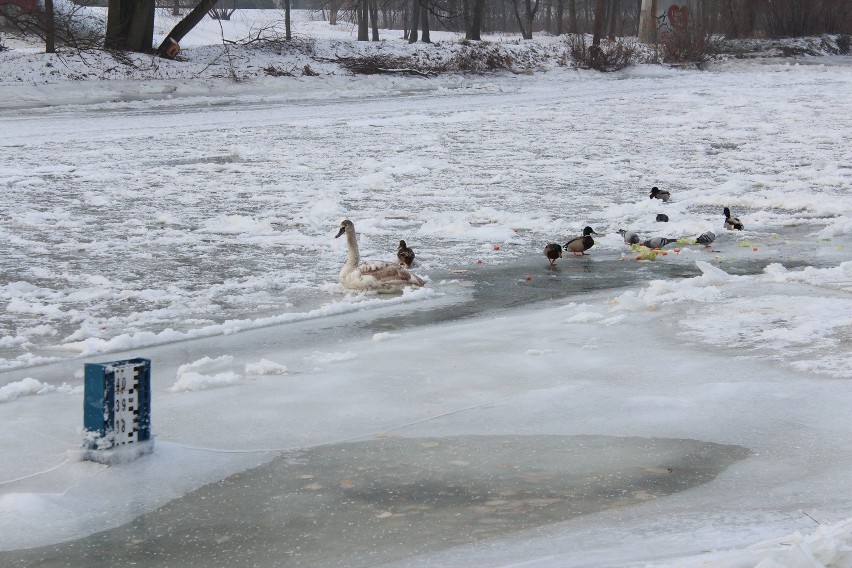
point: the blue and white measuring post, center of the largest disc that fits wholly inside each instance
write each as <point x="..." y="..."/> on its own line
<point x="117" y="411"/>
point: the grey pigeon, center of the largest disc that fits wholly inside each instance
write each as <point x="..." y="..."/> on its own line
<point x="658" y="242"/>
<point x="630" y="237"/>
<point x="705" y="238"/>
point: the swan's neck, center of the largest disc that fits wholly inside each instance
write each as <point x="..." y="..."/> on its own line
<point x="352" y="243"/>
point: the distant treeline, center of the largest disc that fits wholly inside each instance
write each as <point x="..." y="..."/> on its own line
<point x="732" y="18"/>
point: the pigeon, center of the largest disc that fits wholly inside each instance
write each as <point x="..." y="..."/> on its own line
<point x="630" y="237"/>
<point x="658" y="242"/>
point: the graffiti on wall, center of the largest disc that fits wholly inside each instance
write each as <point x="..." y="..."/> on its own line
<point x="671" y="17"/>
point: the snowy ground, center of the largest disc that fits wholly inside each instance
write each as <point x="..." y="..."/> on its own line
<point x="190" y="219"/>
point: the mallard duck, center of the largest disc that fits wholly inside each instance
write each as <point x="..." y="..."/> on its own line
<point x="578" y="245"/>
<point x="662" y="218"/>
<point x="732" y="222"/>
<point x="405" y="254"/>
<point x="629" y="237"/>
<point x="657" y="193"/>
<point x="658" y="242"/>
<point x="377" y="275"/>
<point x="706" y="239"/>
<point x="553" y="251"/>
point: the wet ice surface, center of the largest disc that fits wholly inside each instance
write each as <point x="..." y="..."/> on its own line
<point x="366" y="503"/>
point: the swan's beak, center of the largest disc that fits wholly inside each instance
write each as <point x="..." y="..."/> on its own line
<point x="340" y="232"/>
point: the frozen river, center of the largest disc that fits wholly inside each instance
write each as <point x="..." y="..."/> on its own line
<point x="603" y="412"/>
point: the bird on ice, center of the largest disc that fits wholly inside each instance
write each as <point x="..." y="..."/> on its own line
<point x="374" y="275"/>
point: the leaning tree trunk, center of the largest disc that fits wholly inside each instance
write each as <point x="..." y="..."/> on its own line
<point x="525" y="22"/>
<point x="171" y="45"/>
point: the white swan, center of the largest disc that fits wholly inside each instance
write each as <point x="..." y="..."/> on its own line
<point x="375" y="275"/>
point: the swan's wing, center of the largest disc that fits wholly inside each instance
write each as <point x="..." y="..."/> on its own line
<point x="389" y="273"/>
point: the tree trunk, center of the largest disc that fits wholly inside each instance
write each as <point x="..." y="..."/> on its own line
<point x="374" y="19"/>
<point x="560" y="14"/>
<point x="176" y="8"/>
<point x="613" y="19"/>
<point x="49" y="27"/>
<point x="287" y="34"/>
<point x="466" y="17"/>
<point x="424" y="24"/>
<point x="140" y="36"/>
<point x="572" y="17"/>
<point x="519" y="19"/>
<point x="648" y="22"/>
<point x="476" y="20"/>
<point x="118" y="16"/>
<point x="415" y="21"/>
<point x="531" y="10"/>
<point x="170" y="46"/>
<point x="597" y="27"/>
<point x="363" y="14"/>
<point x="526" y="22"/>
<point x="130" y="25"/>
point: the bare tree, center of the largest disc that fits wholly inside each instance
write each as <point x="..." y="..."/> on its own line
<point x="525" y="22"/>
<point x="66" y="25"/>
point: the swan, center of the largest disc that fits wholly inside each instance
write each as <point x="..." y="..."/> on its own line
<point x="375" y="275"/>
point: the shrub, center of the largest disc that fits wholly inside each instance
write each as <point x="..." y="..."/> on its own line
<point x="608" y="56"/>
<point x="74" y="26"/>
<point x="691" y="45"/>
<point x="844" y="44"/>
<point x="480" y="58"/>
